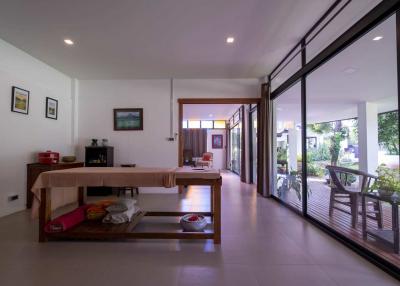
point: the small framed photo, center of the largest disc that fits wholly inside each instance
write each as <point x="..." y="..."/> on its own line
<point x="126" y="119"/>
<point x="19" y="100"/>
<point x="51" y="108"/>
<point x="217" y="141"/>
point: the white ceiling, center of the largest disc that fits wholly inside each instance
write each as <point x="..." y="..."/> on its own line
<point x="209" y="111"/>
<point x="334" y="94"/>
<point x="159" y="39"/>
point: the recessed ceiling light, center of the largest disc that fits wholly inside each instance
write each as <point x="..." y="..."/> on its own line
<point x="210" y="115"/>
<point x="69" y="42"/>
<point x="349" y="70"/>
<point x="377" y="38"/>
<point x="230" y="40"/>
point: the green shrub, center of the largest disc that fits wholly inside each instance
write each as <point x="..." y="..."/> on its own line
<point x="321" y="153"/>
<point x="314" y="170"/>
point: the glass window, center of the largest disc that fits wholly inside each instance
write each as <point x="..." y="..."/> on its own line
<point x="219" y="124"/>
<point x="287" y="69"/>
<point x="352" y="122"/>
<point x="236" y="117"/>
<point x="353" y="12"/>
<point x="184" y="124"/>
<point x="194" y="124"/>
<point x="208" y="124"/>
<point x="287" y="184"/>
<point x="253" y="122"/>
<point x="235" y="148"/>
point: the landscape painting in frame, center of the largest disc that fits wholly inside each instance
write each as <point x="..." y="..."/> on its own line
<point x="51" y="108"/>
<point x="128" y="119"/>
<point x="217" y="141"/>
<point x="19" y="100"/>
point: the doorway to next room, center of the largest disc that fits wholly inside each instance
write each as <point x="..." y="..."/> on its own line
<point x="220" y="136"/>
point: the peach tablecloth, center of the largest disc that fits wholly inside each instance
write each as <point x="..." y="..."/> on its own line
<point x="111" y="177"/>
<point x="98" y="176"/>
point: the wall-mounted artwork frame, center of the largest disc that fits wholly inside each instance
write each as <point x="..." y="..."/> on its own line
<point x="19" y="100"/>
<point x="217" y="141"/>
<point x="128" y="119"/>
<point x="51" y="108"/>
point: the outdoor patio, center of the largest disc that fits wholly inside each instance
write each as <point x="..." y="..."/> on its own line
<point x="318" y="208"/>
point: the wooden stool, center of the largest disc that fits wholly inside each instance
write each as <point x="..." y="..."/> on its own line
<point x="124" y="189"/>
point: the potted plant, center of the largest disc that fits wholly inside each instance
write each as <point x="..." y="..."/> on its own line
<point x="388" y="181"/>
<point x="292" y="181"/>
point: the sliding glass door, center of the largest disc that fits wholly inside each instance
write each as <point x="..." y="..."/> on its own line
<point x="253" y="144"/>
<point x="235" y="141"/>
<point x="352" y="123"/>
<point x="334" y="132"/>
<point x="287" y="151"/>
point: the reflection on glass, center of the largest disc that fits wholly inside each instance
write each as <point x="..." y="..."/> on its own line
<point x="235" y="141"/>
<point x="287" y="147"/>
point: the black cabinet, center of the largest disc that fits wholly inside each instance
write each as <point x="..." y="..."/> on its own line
<point x="99" y="156"/>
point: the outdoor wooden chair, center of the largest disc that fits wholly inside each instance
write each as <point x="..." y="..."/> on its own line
<point x="344" y="193"/>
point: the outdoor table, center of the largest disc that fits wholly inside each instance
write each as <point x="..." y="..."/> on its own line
<point x="390" y="236"/>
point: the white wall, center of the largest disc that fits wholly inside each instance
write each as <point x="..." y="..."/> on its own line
<point x="219" y="155"/>
<point x="149" y="147"/>
<point x="22" y="136"/>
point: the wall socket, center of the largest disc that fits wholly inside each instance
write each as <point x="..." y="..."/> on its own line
<point x="13" y="198"/>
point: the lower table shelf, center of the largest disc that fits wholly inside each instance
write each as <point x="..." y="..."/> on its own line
<point x="149" y="228"/>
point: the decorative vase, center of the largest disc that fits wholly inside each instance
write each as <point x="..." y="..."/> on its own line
<point x="104" y="142"/>
<point x="94" y="142"/>
<point x="193" y="226"/>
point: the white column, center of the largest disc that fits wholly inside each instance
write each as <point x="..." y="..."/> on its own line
<point x="368" y="136"/>
<point x="292" y="136"/>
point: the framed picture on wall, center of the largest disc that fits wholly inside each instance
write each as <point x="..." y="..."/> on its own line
<point x="51" y="108"/>
<point x="217" y="141"/>
<point x="19" y="100"/>
<point x="128" y="119"/>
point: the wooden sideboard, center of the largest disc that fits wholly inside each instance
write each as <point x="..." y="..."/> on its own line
<point x="33" y="171"/>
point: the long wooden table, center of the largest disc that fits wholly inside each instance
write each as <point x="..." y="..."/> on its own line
<point x="123" y="177"/>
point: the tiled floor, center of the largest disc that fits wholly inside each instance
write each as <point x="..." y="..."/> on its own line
<point x="262" y="244"/>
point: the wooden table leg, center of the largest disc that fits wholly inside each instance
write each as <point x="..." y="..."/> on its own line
<point x="81" y="196"/>
<point x="44" y="212"/>
<point x="217" y="211"/>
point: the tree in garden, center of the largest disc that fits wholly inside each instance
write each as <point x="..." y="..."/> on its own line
<point x="388" y="131"/>
<point x="338" y="134"/>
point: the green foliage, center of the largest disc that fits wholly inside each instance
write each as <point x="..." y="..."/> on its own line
<point x="321" y="128"/>
<point x="314" y="170"/>
<point x="321" y="153"/>
<point x="338" y="134"/>
<point x="388" y="131"/>
<point x="282" y="154"/>
<point x="388" y="179"/>
<point x="353" y="132"/>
